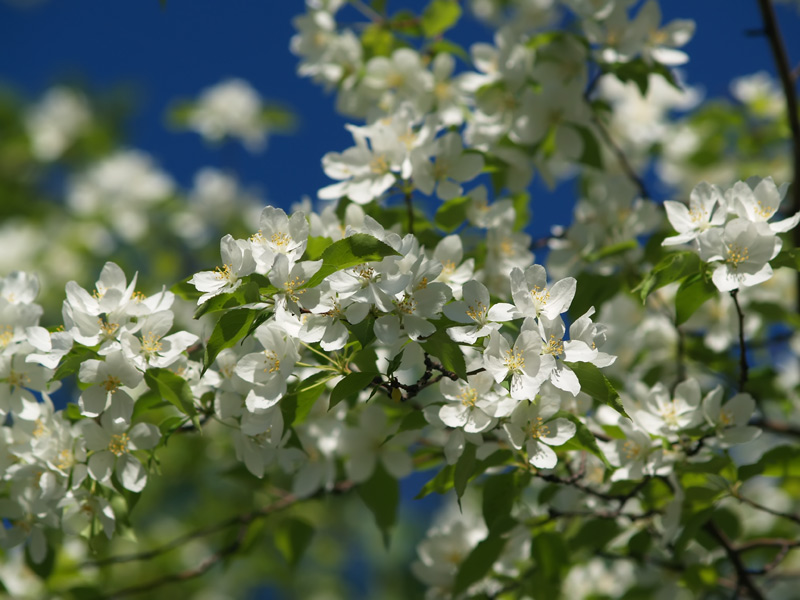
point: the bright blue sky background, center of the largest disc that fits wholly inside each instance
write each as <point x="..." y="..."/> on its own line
<point x="177" y="51"/>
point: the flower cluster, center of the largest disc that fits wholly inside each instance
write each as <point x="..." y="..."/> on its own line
<point x="733" y="230"/>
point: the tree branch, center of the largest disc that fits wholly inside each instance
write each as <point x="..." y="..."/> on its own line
<point x="788" y="81"/>
<point x="744" y="579"/>
<point x="244" y="521"/>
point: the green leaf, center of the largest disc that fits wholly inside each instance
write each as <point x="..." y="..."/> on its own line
<point x="72" y="361"/>
<point x="447" y="351"/>
<point x="246" y="293"/>
<point x="787" y="258"/>
<point x="364" y="331"/>
<point x="612" y="250"/>
<point x="593" y="290"/>
<point x="584" y="439"/>
<point x="673" y="267"/>
<point x="381" y="494"/>
<point x="440" y="483"/>
<point x="305" y="396"/>
<point x="350" y="252"/>
<point x="316" y="246"/>
<point x="44" y="568"/>
<point x="351" y="385"/>
<point x="478" y="563"/>
<point x="452" y="214"/>
<point x="73" y="412"/>
<point x="639" y="71"/>
<point x="449" y="47"/>
<point x="231" y="328"/>
<point x="292" y="537"/>
<point x="185" y="290"/>
<point x="594" y="383"/>
<point x="439" y="16"/>
<point x="783" y="461"/>
<point x="552" y="561"/>
<point x="174" y="389"/>
<point x="499" y="493"/>
<point x="592" y="156"/>
<point x="465" y="467"/>
<point x="522" y="210"/>
<point x="377" y="40"/>
<point x="691" y="295"/>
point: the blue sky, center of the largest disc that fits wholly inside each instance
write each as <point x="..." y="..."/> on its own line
<point x="177" y="51"/>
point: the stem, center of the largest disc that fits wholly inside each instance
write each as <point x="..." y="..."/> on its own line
<point x="742" y="348"/>
<point x="366" y="10"/>
<point x="788" y="80"/>
<point x="410" y="207"/>
<point x="621" y="158"/>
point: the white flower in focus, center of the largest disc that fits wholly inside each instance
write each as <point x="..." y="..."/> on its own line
<point x="758" y="200"/>
<point x="268" y="369"/>
<point x="707" y="208"/>
<point x="476" y="310"/>
<point x="743" y="249"/>
<point x="237" y="262"/>
<point x="475" y="404"/>
<point x="112" y="443"/>
<point x="109" y="377"/>
<point x="528" y="368"/>
<point x="665" y="414"/>
<point x="232" y="108"/>
<point x="533" y="297"/>
<point x="531" y="425"/>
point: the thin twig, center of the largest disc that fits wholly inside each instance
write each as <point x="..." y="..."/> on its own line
<point x="777" y="427"/>
<point x="366" y="10"/>
<point x="767" y="509"/>
<point x="742" y="347"/>
<point x="243" y="520"/>
<point x="788" y="81"/>
<point x="622" y="159"/>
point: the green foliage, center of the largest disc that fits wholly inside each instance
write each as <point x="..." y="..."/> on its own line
<point x="597" y="385"/>
<point x="349" y="252"/>
<point x="439" y="16"/>
<point x="231" y="328"/>
<point x="381" y="494"/>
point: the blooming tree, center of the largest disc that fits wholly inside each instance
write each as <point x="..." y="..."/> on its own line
<point x="612" y="409"/>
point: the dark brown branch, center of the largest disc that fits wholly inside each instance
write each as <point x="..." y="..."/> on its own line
<point x="244" y="521"/>
<point x="785" y="546"/>
<point x="788" y="82"/>
<point x="744" y="579"/>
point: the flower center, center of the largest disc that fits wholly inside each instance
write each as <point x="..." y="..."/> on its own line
<point x="151" y="343"/>
<point x="537" y="429"/>
<point x="224" y="272"/>
<point x="478" y="312"/>
<point x="554" y="347"/>
<point x="112" y="384"/>
<point x="515" y="361"/>
<point x="271" y="363"/>
<point x="379" y="165"/>
<point x="737" y="255"/>
<point x="468" y="397"/>
<point x="119" y="444"/>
